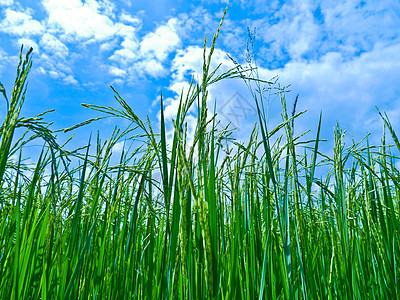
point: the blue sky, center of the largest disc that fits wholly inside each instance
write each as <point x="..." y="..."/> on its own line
<point x="341" y="57"/>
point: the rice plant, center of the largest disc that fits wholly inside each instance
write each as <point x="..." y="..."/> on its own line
<point x="202" y="217"/>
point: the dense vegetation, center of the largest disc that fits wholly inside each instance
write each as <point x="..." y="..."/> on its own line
<point x="204" y="217"/>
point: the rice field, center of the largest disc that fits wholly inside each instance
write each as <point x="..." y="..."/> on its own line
<point x="197" y="217"/>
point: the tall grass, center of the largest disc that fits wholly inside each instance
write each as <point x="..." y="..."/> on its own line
<point x="206" y="217"/>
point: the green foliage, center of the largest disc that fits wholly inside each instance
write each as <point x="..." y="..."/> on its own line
<point x="203" y="218"/>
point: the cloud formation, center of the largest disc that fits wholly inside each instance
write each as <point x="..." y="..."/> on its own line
<point x="147" y="56"/>
<point x="79" y="20"/>
<point x="161" y="42"/>
<point x="20" y="23"/>
<point x="339" y="56"/>
<point x="6" y="2"/>
<point x="80" y="24"/>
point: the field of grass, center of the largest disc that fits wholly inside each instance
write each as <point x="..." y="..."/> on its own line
<point x="201" y="217"/>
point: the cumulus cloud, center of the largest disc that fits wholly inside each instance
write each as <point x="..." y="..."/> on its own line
<point x="89" y="21"/>
<point x="344" y="78"/>
<point x="33" y="33"/>
<point x="290" y="33"/>
<point x="147" y="56"/>
<point x="310" y="29"/>
<point x="124" y="56"/>
<point x="117" y="72"/>
<point x="118" y="147"/>
<point x="128" y="18"/>
<point x="346" y="91"/>
<point x="28" y="43"/>
<point x="3" y="58"/>
<point x="359" y="24"/>
<point x="84" y="23"/>
<point x="20" y="23"/>
<point x="3" y="53"/>
<point x="60" y="75"/>
<point x="233" y="106"/>
<point x="76" y="23"/>
<point x="79" y="20"/>
<point x="56" y="68"/>
<point x="151" y="67"/>
<point x="189" y="62"/>
<point x="128" y="52"/>
<point x="107" y="7"/>
<point x="6" y="2"/>
<point x="53" y="45"/>
<point x="161" y="42"/>
<point x="338" y="56"/>
<point x="69" y="79"/>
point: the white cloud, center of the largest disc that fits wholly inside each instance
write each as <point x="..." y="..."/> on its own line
<point x="28" y="43"/>
<point x="41" y="70"/>
<point x="95" y="21"/>
<point x="128" y="52"/>
<point x="91" y="20"/>
<point x="3" y="53"/>
<point x="228" y="94"/>
<point x="6" y="2"/>
<point x="124" y="56"/>
<point x="79" y="20"/>
<point x="117" y="72"/>
<point x="20" y="23"/>
<point x="151" y="67"/>
<point x="108" y="46"/>
<point x="310" y="29"/>
<point x="147" y="56"/>
<point x="127" y="18"/>
<point x="69" y="79"/>
<point x="197" y="23"/>
<point x="170" y="109"/>
<point x="107" y="7"/>
<point x="60" y="75"/>
<point x="127" y="2"/>
<point x="55" y="74"/>
<point x="3" y="58"/>
<point x="233" y="36"/>
<point x="295" y="33"/>
<point x="161" y="42"/>
<point x="345" y="90"/>
<point x="53" y="45"/>
<point x="130" y="44"/>
<point x="189" y="62"/>
<point x="56" y="68"/>
<point x="118" y="147"/>
<point x="128" y="32"/>
<point x="353" y="22"/>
